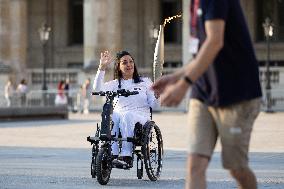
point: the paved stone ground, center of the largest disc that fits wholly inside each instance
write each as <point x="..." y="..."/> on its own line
<point x="268" y="134"/>
<point x="55" y="154"/>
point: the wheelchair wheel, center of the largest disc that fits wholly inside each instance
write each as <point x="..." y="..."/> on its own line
<point x="93" y="168"/>
<point x="103" y="166"/>
<point x="93" y="163"/>
<point x="152" y="150"/>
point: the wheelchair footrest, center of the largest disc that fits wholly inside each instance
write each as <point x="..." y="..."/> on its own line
<point x="128" y="139"/>
<point x="94" y="139"/>
<point x="121" y="166"/>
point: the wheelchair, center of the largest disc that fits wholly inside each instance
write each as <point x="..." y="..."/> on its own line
<point x="147" y="144"/>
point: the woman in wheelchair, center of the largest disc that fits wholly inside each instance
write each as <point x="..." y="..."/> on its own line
<point x="127" y="110"/>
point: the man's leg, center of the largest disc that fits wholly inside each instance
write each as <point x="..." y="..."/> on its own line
<point x="196" y="174"/>
<point x="202" y="139"/>
<point x="245" y="178"/>
<point x="235" y="125"/>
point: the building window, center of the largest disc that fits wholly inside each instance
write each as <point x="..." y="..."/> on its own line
<point x="75" y="65"/>
<point x="54" y="77"/>
<point x="274" y="10"/>
<point x="76" y="31"/>
<point x="173" y="30"/>
<point x="173" y="64"/>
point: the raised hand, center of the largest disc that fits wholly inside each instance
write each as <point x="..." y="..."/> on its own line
<point x="105" y="60"/>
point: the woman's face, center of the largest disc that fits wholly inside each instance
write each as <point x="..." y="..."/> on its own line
<point x="126" y="66"/>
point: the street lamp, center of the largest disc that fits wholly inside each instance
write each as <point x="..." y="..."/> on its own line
<point x="44" y="32"/>
<point x="268" y="32"/>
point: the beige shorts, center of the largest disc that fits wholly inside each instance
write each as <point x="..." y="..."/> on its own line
<point x="233" y="124"/>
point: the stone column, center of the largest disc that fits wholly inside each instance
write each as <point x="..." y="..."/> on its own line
<point x="18" y="37"/>
<point x="151" y="15"/>
<point x="249" y="9"/>
<point x="4" y="31"/>
<point x="4" y="45"/>
<point x="186" y="55"/>
<point x="102" y="29"/>
<point x="13" y="36"/>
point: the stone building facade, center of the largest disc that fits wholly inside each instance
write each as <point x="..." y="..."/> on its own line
<point x="81" y="29"/>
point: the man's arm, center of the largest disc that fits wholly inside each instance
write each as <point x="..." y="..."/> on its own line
<point x="173" y="90"/>
<point x="210" y="48"/>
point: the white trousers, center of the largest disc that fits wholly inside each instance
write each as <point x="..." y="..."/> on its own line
<point x="125" y="122"/>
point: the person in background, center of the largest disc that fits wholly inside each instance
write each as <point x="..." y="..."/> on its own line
<point x="8" y="92"/>
<point x="226" y="92"/>
<point x="22" y="90"/>
<point x="66" y="89"/>
<point x="86" y="93"/>
<point x="60" y="98"/>
<point x="79" y="100"/>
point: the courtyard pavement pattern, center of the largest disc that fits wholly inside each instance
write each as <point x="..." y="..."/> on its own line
<point x="55" y="154"/>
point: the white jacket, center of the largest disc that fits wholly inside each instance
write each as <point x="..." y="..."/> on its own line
<point x="140" y="102"/>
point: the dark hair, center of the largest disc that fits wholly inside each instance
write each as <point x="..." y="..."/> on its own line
<point x="23" y="81"/>
<point x="60" y="84"/>
<point x="117" y="71"/>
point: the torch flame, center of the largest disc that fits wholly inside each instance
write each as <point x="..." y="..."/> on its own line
<point x="168" y="20"/>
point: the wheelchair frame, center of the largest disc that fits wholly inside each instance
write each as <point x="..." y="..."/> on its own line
<point x="147" y="144"/>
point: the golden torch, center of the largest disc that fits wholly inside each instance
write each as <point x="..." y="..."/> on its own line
<point x="159" y="54"/>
